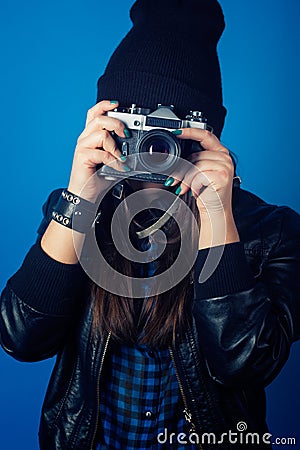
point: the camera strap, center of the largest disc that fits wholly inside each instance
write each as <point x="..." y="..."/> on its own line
<point x="160" y="222"/>
<point x="118" y="192"/>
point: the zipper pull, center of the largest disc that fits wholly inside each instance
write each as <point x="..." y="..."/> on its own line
<point x="188" y="418"/>
<point x="187" y="415"/>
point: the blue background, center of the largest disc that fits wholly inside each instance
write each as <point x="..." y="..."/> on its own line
<point x="52" y="55"/>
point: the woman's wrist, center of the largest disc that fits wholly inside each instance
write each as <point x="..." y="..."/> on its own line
<point x="72" y="217"/>
<point x="73" y="211"/>
<point x="82" y="193"/>
<point x="58" y="243"/>
<point x="217" y="228"/>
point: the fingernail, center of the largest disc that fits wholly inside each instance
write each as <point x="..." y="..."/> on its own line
<point x="169" y="181"/>
<point x="126" y="168"/>
<point x="127" y="133"/>
<point x="177" y="132"/>
<point x="123" y="158"/>
<point x="178" y="190"/>
<point x="114" y="102"/>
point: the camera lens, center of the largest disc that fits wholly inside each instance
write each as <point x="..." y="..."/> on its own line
<point x="158" y="149"/>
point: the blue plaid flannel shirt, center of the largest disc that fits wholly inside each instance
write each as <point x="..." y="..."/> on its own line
<point x="140" y="397"/>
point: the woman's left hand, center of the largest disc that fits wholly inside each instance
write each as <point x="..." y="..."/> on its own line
<point x="210" y="176"/>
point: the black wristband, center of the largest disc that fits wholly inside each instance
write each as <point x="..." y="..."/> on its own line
<point x="74" y="212"/>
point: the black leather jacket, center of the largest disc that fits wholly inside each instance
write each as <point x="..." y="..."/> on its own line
<point x="236" y="345"/>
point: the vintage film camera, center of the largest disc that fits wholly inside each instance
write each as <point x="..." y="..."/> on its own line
<point x="152" y="146"/>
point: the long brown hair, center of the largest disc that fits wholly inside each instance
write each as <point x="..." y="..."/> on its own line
<point x="158" y="320"/>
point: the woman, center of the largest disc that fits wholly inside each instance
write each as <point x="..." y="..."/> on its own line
<point x="166" y="368"/>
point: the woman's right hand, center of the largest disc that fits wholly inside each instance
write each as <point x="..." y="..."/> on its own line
<point x="96" y="146"/>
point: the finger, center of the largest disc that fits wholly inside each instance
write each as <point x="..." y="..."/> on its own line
<point x="183" y="178"/>
<point x="213" y="165"/>
<point x="100" y="108"/>
<point x="187" y="180"/>
<point x="186" y="172"/>
<point x="219" y="168"/>
<point x="102" y="140"/>
<point x="93" y="157"/>
<point x="207" y="139"/>
<point x="210" y="155"/>
<point x="103" y="123"/>
<point x="175" y="177"/>
<point x="201" y="181"/>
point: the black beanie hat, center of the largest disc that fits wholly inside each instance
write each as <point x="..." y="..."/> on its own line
<point x="169" y="57"/>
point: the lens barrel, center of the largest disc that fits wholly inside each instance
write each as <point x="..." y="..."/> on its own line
<point x="158" y="150"/>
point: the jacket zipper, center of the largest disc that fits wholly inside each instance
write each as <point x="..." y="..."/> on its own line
<point x="187" y="413"/>
<point x="98" y="388"/>
<point x="191" y="338"/>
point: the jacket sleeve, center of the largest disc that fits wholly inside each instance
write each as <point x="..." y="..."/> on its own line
<point x="245" y="323"/>
<point x="41" y="301"/>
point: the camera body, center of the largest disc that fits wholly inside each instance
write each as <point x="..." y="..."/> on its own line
<point x="152" y="146"/>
